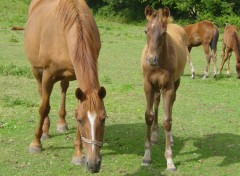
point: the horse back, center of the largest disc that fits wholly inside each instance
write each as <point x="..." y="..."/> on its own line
<point x="43" y="38"/>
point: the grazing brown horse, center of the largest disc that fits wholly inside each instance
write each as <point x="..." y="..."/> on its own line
<point x="163" y="62"/>
<point x="231" y="42"/>
<point x="62" y="43"/>
<point x="203" y="33"/>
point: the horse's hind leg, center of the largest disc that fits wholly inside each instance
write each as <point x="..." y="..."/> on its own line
<point x="154" y="136"/>
<point x="47" y="86"/>
<point x="190" y="62"/>
<point x="228" y="64"/>
<point x="214" y="57"/>
<point x="62" y="125"/>
<point x="149" y="118"/>
<point x="37" y="73"/>
<point x="225" y="57"/>
<point x="208" y="59"/>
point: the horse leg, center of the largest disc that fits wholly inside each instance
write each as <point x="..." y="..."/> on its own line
<point x="208" y="59"/>
<point x="46" y="125"/>
<point x="154" y="136"/>
<point x="78" y="157"/>
<point x="190" y="62"/>
<point x="149" y="118"/>
<point x="62" y="125"/>
<point x="228" y="64"/>
<point x="47" y="86"/>
<point x="214" y="57"/>
<point x="225" y="57"/>
<point x="168" y="98"/>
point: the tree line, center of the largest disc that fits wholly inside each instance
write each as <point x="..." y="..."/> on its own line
<point x="186" y="11"/>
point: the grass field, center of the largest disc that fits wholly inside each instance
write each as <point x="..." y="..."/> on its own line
<point x="206" y="115"/>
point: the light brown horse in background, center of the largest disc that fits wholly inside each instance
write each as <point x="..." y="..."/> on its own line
<point x="163" y="62"/>
<point x="62" y="43"/>
<point x="203" y="33"/>
<point x="231" y="42"/>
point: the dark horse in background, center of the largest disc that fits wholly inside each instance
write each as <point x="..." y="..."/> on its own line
<point x="203" y="33"/>
<point x="62" y="43"/>
<point x="231" y="42"/>
<point x="163" y="62"/>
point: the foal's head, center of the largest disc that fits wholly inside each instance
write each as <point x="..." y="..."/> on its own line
<point x="91" y="116"/>
<point x="155" y="30"/>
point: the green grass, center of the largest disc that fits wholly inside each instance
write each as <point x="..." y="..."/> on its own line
<point x="205" y="116"/>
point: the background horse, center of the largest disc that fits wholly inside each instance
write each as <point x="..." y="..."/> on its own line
<point x="62" y="43"/>
<point x="203" y="33"/>
<point x="163" y="62"/>
<point x="231" y="42"/>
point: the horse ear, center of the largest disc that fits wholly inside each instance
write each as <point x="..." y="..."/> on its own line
<point x="148" y="11"/>
<point x="80" y="95"/>
<point x="102" y="92"/>
<point x="165" y="12"/>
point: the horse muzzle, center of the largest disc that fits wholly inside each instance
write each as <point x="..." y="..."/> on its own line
<point x="94" y="166"/>
<point x="152" y="61"/>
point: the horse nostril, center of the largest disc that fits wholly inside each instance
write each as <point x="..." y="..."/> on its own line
<point x="155" y="60"/>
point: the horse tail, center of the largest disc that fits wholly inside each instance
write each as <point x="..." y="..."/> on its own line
<point x="215" y="40"/>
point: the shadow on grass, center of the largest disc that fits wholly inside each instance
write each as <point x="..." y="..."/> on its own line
<point x="224" y="145"/>
<point x="129" y="139"/>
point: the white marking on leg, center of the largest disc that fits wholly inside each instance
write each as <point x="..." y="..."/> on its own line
<point x="92" y="118"/>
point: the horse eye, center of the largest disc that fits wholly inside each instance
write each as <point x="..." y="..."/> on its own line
<point x="80" y="121"/>
<point x="145" y="31"/>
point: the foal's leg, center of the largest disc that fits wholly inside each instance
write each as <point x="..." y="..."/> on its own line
<point x="224" y="58"/>
<point x="168" y="94"/>
<point x="46" y="125"/>
<point x="78" y="157"/>
<point x="208" y="59"/>
<point x="62" y="125"/>
<point x="214" y="57"/>
<point x="47" y="86"/>
<point x="190" y="62"/>
<point x="149" y="118"/>
<point x="154" y="136"/>
<point x="228" y="65"/>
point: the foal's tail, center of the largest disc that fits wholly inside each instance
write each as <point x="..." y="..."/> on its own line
<point x="215" y="40"/>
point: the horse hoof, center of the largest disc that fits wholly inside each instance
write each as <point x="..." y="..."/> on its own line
<point x="62" y="128"/>
<point x="146" y="162"/>
<point x="154" y="142"/>
<point x="77" y="160"/>
<point x="173" y="169"/>
<point x="34" y="149"/>
<point x="45" y="136"/>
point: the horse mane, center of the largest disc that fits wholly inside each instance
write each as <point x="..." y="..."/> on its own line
<point x="74" y="12"/>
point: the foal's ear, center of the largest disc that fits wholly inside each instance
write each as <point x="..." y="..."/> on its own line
<point x="80" y="95"/>
<point x="102" y="92"/>
<point x="148" y="12"/>
<point x="165" y="12"/>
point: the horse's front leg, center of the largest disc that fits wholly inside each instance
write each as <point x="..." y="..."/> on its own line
<point x="62" y="125"/>
<point x="47" y="86"/>
<point x="78" y="157"/>
<point x="168" y="98"/>
<point x="149" y="118"/>
<point x="190" y="61"/>
<point x="154" y="136"/>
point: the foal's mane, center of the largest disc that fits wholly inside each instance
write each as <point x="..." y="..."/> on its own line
<point x="75" y="12"/>
<point x="158" y="14"/>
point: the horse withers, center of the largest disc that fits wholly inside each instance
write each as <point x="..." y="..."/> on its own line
<point x="62" y="43"/>
<point x="203" y="33"/>
<point x="231" y="42"/>
<point x="163" y="62"/>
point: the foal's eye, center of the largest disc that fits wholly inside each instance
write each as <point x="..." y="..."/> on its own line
<point x="145" y="31"/>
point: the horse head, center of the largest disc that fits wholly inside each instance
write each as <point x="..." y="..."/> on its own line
<point x="156" y="30"/>
<point x="91" y="115"/>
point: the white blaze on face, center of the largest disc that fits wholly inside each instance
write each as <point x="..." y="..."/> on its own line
<point x="92" y="118"/>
